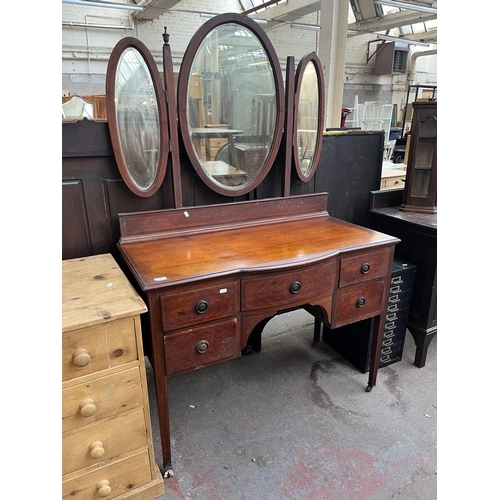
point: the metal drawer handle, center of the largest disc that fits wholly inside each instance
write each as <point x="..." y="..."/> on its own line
<point x="201" y="306"/>
<point x="395" y="289"/>
<point x="396" y="280"/>
<point x="391" y="317"/>
<point x="365" y="268"/>
<point x="202" y="346"/>
<point x="295" y="287"/>
<point x="360" y="302"/>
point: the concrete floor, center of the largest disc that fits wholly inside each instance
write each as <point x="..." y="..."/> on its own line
<point x="294" y="422"/>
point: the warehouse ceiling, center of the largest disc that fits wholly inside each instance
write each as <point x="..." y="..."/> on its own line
<point x="410" y="20"/>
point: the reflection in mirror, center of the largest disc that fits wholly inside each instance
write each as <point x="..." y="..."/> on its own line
<point x="307" y="119"/>
<point x="137" y="118"/>
<point x="231" y="105"/>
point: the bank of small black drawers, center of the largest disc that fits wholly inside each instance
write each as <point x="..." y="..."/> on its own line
<point x="353" y="341"/>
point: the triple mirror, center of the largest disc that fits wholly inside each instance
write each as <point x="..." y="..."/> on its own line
<point x="231" y="109"/>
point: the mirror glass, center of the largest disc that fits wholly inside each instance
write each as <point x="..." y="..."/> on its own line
<point x="231" y="105"/>
<point x="137" y="117"/>
<point x="307" y="118"/>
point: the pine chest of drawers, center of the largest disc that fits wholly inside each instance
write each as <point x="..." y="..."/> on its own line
<point x="107" y="449"/>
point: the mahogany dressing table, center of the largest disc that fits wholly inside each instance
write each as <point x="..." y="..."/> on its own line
<point x="212" y="276"/>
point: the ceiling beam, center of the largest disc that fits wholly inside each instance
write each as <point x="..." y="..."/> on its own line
<point x="390" y="21"/>
<point x="290" y="11"/>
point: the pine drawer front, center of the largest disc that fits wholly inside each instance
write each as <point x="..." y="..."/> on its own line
<point x="199" y="305"/>
<point x="97" y="443"/>
<point x="201" y="346"/>
<point x="361" y="268"/>
<point x="119" y="477"/>
<point x="101" y="397"/>
<point x="300" y="285"/>
<point x="91" y="350"/>
<point x="359" y="302"/>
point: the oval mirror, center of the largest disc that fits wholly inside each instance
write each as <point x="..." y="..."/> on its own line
<point x="137" y="116"/>
<point x="309" y="116"/>
<point x="231" y="104"/>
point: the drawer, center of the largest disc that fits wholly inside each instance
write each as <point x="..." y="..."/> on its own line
<point x="279" y="290"/>
<point x="98" y="348"/>
<point x="201" y="346"/>
<point x="96" y="443"/>
<point x="121" y="476"/>
<point x="398" y="298"/>
<point x="217" y="142"/>
<point x="364" y="267"/>
<point x="100" y="398"/>
<point x="404" y="286"/>
<point x="198" y="305"/>
<point x="358" y="302"/>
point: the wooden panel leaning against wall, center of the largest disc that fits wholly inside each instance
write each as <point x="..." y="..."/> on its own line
<point x="93" y="192"/>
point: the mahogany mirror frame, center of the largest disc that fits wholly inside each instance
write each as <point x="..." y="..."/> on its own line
<point x="299" y="75"/>
<point x="182" y="98"/>
<point x="118" y="50"/>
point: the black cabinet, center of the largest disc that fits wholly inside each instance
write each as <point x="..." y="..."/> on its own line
<point x="353" y="342"/>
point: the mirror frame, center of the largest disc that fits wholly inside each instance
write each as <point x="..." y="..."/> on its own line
<point x="182" y="94"/>
<point x="120" y="47"/>
<point x="314" y="59"/>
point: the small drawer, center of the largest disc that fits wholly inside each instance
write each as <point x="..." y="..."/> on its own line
<point x="299" y="285"/>
<point x="201" y="346"/>
<point x="200" y="305"/>
<point x="364" y="267"/>
<point x="94" y="349"/>
<point x="100" y="398"/>
<point x="217" y="142"/>
<point x="359" y="302"/>
<point x="117" y="477"/>
<point x="97" y="443"/>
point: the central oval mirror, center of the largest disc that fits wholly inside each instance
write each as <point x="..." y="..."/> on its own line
<point x="231" y="104"/>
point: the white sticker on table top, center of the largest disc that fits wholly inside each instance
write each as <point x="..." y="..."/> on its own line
<point x="161" y="278"/>
<point x="223" y="290"/>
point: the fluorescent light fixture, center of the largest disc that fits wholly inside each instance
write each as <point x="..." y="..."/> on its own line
<point x="402" y="40"/>
<point x="207" y="15"/>
<point x="106" y="5"/>
<point x="299" y="26"/>
<point x="406" y="5"/>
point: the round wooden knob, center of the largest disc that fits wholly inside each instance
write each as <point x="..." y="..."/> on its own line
<point x="87" y="408"/>
<point x="360" y="302"/>
<point x="96" y="450"/>
<point x="201" y="306"/>
<point x="202" y="346"/>
<point x="103" y="489"/>
<point x="81" y="357"/>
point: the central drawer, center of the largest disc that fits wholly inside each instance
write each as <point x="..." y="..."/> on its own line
<point x="283" y="288"/>
<point x="201" y="346"/>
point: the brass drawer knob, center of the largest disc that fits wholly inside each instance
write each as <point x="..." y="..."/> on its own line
<point x="87" y="408"/>
<point x="201" y="306"/>
<point x="81" y="358"/>
<point x="365" y="268"/>
<point x="360" y="302"/>
<point x="202" y="346"/>
<point x="103" y="489"/>
<point x="295" y="287"/>
<point x="96" y="450"/>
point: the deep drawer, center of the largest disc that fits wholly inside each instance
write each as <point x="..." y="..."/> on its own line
<point x="201" y="346"/>
<point x="199" y="305"/>
<point x="97" y="443"/>
<point x="365" y="267"/>
<point x="283" y="288"/>
<point x="359" y="302"/>
<point x="122" y="476"/>
<point x="102" y="397"/>
<point x="94" y="349"/>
